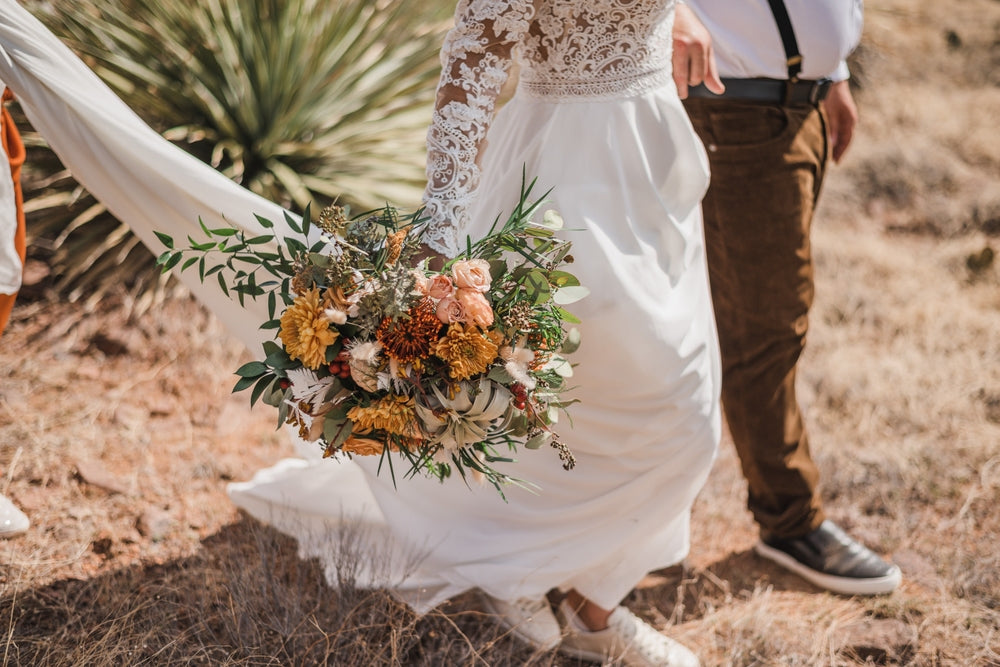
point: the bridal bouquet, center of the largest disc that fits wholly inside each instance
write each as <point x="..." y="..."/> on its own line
<point x="378" y="355"/>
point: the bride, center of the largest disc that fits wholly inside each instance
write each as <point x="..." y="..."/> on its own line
<point x="597" y="118"/>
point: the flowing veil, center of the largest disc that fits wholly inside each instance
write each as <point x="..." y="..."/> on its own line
<point x="144" y="180"/>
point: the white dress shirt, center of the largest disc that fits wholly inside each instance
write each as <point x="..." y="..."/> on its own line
<point x="748" y="44"/>
<point x="10" y="261"/>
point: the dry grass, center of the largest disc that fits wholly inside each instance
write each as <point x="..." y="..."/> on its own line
<point x="901" y="385"/>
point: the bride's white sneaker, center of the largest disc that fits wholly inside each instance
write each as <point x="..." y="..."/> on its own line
<point x="12" y="520"/>
<point x="529" y="619"/>
<point x="628" y="640"/>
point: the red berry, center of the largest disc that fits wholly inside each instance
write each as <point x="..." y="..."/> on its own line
<point x="284" y="383"/>
<point x="520" y="405"/>
<point x="335" y="368"/>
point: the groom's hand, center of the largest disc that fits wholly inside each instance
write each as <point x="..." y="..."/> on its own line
<point x="693" y="57"/>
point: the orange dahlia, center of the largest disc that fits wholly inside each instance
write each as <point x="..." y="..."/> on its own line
<point x="466" y="350"/>
<point x="410" y="338"/>
<point x="305" y="332"/>
<point x="391" y="414"/>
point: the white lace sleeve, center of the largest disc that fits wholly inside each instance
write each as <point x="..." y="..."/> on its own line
<point x="476" y="59"/>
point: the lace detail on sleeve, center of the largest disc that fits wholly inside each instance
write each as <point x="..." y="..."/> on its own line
<point x="476" y="59"/>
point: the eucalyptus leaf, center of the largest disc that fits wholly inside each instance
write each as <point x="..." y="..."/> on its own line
<point x="567" y="295"/>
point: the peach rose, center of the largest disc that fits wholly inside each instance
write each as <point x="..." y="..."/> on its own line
<point x="440" y="287"/>
<point x="472" y="274"/>
<point x="450" y="310"/>
<point x="477" y="309"/>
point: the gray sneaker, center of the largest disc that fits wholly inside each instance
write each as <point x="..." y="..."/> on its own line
<point x="830" y="559"/>
<point x="12" y="520"/>
<point x="628" y="640"/>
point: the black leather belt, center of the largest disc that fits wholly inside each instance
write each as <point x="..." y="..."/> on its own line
<point x="769" y="91"/>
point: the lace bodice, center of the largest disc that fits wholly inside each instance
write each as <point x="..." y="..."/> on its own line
<point x="566" y="49"/>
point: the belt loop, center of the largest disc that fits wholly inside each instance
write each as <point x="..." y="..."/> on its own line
<point x="794" y="67"/>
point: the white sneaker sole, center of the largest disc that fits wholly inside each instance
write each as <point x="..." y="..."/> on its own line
<point x="516" y="631"/>
<point x="841" y="585"/>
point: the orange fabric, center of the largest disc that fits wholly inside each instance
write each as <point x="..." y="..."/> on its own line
<point x="14" y="148"/>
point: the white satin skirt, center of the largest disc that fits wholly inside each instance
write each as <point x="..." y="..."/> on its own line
<point x="627" y="177"/>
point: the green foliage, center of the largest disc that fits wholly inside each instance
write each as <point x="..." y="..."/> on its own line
<point x="302" y="101"/>
<point x="365" y="266"/>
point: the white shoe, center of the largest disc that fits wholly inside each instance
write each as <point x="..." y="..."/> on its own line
<point x="628" y="640"/>
<point x="12" y="520"/>
<point x="529" y="619"/>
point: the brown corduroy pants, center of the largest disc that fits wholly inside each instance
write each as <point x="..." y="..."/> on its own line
<point x="768" y="163"/>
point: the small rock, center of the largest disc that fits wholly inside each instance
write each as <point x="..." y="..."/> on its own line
<point x="880" y="641"/>
<point x="95" y="474"/>
<point x="154" y="524"/>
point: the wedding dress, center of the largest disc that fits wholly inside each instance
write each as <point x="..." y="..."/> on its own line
<point x="596" y="118"/>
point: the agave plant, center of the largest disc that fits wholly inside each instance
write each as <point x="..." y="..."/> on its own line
<point x="302" y="101"/>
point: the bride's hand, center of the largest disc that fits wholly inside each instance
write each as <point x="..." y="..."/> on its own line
<point x="693" y="57"/>
<point x="435" y="260"/>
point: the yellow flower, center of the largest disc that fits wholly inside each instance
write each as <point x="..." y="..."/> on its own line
<point x="392" y="414"/>
<point x="362" y="446"/>
<point x="466" y="350"/>
<point x="305" y="331"/>
<point x="369" y="446"/>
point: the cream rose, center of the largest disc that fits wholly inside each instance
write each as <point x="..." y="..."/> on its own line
<point x="472" y="274"/>
<point x="477" y="309"/>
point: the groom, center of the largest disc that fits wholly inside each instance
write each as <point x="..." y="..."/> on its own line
<point x="12" y="520"/>
<point x="784" y="110"/>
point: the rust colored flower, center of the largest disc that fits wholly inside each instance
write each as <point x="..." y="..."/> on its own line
<point x="466" y="351"/>
<point x="411" y="338"/>
<point x="391" y="414"/>
<point x="305" y="332"/>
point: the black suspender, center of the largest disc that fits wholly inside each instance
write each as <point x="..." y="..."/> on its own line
<point x="793" y="59"/>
